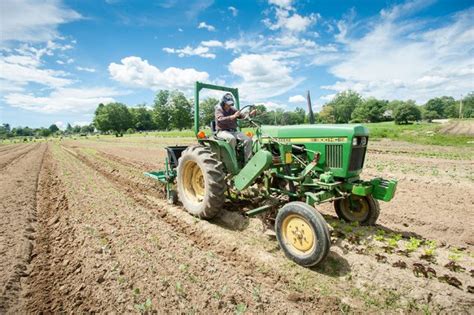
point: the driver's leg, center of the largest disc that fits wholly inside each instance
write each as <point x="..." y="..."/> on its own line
<point x="247" y="144"/>
<point x="227" y="136"/>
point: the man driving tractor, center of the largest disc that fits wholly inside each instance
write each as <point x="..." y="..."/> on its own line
<point x="226" y="116"/>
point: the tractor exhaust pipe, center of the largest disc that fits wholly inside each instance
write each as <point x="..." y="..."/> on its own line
<point x="310" y="108"/>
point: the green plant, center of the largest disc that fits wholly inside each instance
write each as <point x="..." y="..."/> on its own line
<point x="144" y="307"/>
<point x="256" y="294"/>
<point x="455" y="254"/>
<point x="413" y="244"/>
<point x="240" y="308"/>
<point x="179" y="289"/>
<point x="183" y="267"/>
<point x="380" y="235"/>
<point x="392" y="242"/>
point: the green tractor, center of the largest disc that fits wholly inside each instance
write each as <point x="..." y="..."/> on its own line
<point x="293" y="169"/>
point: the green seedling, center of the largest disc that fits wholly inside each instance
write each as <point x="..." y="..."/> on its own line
<point x="179" y="288"/>
<point x="240" y="308"/>
<point x="144" y="307"/>
<point x="392" y="242"/>
<point x="413" y="244"/>
<point x="455" y="254"/>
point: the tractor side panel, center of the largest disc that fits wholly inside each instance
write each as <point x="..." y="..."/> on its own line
<point x="254" y="167"/>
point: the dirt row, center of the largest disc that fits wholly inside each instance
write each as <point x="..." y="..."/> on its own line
<point x="19" y="170"/>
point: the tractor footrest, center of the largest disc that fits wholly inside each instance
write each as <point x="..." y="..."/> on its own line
<point x="158" y="175"/>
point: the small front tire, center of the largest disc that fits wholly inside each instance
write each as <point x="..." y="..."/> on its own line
<point x="362" y="209"/>
<point x="302" y="233"/>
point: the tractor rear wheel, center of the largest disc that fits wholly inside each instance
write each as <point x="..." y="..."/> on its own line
<point x="302" y="233"/>
<point x="362" y="209"/>
<point x="200" y="182"/>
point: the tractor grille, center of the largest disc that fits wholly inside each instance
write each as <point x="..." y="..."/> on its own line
<point x="357" y="158"/>
<point x="334" y="155"/>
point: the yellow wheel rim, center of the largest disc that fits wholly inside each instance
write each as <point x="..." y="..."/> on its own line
<point x="298" y="234"/>
<point x="357" y="213"/>
<point x="193" y="182"/>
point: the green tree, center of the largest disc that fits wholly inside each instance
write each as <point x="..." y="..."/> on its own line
<point x="406" y="112"/>
<point x="44" y="132"/>
<point x="113" y="117"/>
<point x="162" y="110"/>
<point x="327" y="115"/>
<point x="344" y="104"/>
<point x="206" y="111"/>
<point x="181" y="111"/>
<point x="53" y="128"/>
<point x="444" y="106"/>
<point x="467" y="106"/>
<point x="142" y="118"/>
<point x="429" y="115"/>
<point x="87" y="129"/>
<point x="370" y="110"/>
<point x="69" y="128"/>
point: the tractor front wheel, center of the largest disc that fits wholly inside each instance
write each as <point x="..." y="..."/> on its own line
<point x="302" y="233"/>
<point x="200" y="182"/>
<point x="362" y="209"/>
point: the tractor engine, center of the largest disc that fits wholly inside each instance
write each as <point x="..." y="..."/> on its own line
<point x="341" y="148"/>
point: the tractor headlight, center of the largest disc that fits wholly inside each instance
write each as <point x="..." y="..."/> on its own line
<point x="354" y="141"/>
<point x="363" y="141"/>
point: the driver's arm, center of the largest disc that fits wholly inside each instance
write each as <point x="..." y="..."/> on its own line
<point x="219" y="114"/>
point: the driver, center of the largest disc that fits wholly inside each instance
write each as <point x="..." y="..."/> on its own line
<point x="226" y="124"/>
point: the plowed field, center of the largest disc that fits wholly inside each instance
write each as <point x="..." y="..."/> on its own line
<point x="83" y="230"/>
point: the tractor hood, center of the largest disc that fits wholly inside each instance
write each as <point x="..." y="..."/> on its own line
<point x="315" y="131"/>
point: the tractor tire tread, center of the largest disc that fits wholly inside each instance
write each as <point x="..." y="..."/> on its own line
<point x="213" y="171"/>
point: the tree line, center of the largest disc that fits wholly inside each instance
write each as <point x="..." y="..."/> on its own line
<point x="349" y="106"/>
<point x="6" y="131"/>
<point x="172" y="110"/>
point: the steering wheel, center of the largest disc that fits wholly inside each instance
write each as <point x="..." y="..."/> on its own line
<point x="248" y="118"/>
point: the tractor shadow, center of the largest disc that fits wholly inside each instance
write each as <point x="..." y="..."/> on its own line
<point x="334" y="265"/>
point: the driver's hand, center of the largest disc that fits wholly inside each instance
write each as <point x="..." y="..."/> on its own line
<point x="236" y="114"/>
<point x="253" y="112"/>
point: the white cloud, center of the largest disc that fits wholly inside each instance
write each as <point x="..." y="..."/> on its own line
<point x="212" y="43"/>
<point x="33" y="21"/>
<point x="208" y="27"/>
<point x="286" y="4"/>
<point x="405" y="59"/>
<point x="290" y="21"/>
<point x="63" y="100"/>
<point x="92" y="70"/>
<point x="233" y="10"/>
<point x="262" y="76"/>
<point x="200" y="51"/>
<point x="137" y="72"/>
<point x="271" y="105"/>
<point x="21" y="70"/>
<point x="81" y="123"/>
<point x="60" y="124"/>
<point x="297" y="99"/>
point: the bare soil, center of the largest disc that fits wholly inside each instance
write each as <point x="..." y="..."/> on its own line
<point x="459" y="127"/>
<point x="84" y="231"/>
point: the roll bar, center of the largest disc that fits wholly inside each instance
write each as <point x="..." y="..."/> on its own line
<point x="199" y="87"/>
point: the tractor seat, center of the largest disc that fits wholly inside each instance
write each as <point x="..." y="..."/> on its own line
<point x="214" y="130"/>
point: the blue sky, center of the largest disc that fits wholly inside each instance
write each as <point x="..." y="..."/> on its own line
<point x="59" y="59"/>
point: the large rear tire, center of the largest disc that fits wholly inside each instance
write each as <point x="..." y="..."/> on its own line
<point x="302" y="233"/>
<point x="362" y="209"/>
<point x="200" y="182"/>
